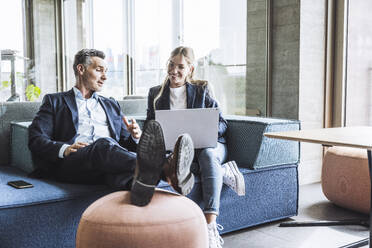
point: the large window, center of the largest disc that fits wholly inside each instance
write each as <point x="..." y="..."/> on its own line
<point x="108" y="35"/>
<point x="351" y="89"/>
<point x="138" y="36"/>
<point x="135" y="36"/>
<point x="12" y="63"/>
<point x="77" y="34"/>
<point x="217" y="31"/>
<point x="28" y="45"/>
<point x="359" y="65"/>
<point x="154" y="29"/>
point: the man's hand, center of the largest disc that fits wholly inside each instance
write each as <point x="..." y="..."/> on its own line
<point x="74" y="147"/>
<point x="133" y="127"/>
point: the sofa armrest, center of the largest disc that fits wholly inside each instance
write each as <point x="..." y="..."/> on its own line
<point x="20" y="155"/>
<point x="251" y="149"/>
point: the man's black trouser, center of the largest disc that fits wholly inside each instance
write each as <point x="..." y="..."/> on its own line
<point x="103" y="161"/>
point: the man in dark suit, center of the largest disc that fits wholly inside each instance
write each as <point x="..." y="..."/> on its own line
<point x="85" y="138"/>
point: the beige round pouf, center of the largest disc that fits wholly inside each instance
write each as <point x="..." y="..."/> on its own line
<point x="345" y="178"/>
<point x="169" y="220"/>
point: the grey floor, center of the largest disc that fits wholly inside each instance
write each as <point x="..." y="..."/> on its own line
<point x="312" y="206"/>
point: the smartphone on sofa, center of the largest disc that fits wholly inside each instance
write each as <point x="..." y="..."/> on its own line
<point x="20" y="184"/>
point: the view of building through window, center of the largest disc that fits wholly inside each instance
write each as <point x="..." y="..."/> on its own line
<point x="154" y="26"/>
<point x="11" y="46"/>
<point x="217" y="31"/>
<point x="108" y="34"/>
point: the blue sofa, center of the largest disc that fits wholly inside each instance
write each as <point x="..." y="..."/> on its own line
<point x="48" y="214"/>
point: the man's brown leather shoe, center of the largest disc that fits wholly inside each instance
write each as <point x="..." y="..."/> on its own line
<point x="177" y="167"/>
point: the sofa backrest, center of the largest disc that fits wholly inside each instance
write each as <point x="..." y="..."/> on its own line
<point x="25" y="111"/>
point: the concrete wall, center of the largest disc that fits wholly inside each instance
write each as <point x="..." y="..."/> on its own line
<point x="298" y="62"/>
<point x="285" y="58"/>
<point x="256" y="57"/>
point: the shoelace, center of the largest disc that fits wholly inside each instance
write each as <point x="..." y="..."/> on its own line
<point x="212" y="237"/>
<point x="219" y="227"/>
<point x="212" y="241"/>
<point x="229" y="178"/>
<point x="215" y="240"/>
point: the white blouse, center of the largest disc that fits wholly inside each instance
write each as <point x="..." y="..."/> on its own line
<point x="178" y="98"/>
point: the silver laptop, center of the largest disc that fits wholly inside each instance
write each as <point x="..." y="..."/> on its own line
<point x="201" y="124"/>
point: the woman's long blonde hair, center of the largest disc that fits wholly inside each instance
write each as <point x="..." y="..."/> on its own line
<point x="188" y="54"/>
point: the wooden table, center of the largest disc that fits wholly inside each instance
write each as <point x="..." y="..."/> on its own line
<point x="358" y="137"/>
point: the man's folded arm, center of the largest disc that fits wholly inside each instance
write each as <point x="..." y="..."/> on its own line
<point x="41" y="131"/>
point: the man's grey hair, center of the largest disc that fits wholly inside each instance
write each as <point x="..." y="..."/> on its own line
<point x="84" y="57"/>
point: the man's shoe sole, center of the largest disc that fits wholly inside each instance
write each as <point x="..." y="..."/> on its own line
<point x="150" y="160"/>
<point x="184" y="151"/>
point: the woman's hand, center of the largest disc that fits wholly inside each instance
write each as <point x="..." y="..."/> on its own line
<point x="133" y="127"/>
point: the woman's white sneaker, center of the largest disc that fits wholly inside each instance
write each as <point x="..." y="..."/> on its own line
<point x="215" y="240"/>
<point x="233" y="178"/>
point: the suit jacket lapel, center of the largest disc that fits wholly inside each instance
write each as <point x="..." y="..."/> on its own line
<point x="108" y="115"/>
<point x="71" y="103"/>
<point x="163" y="102"/>
<point x="190" y="95"/>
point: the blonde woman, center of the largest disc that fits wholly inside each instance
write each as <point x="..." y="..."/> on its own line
<point x="180" y="91"/>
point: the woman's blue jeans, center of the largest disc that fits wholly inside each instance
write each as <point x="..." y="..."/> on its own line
<point x="210" y="160"/>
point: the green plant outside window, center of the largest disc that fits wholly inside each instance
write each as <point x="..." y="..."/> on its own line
<point x="32" y="92"/>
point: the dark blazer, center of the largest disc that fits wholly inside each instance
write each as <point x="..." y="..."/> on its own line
<point x="57" y="121"/>
<point x="197" y="97"/>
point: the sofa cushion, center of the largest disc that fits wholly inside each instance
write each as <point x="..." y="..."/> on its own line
<point x="44" y="191"/>
<point x="271" y="194"/>
<point x="46" y="215"/>
<point x="251" y="149"/>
